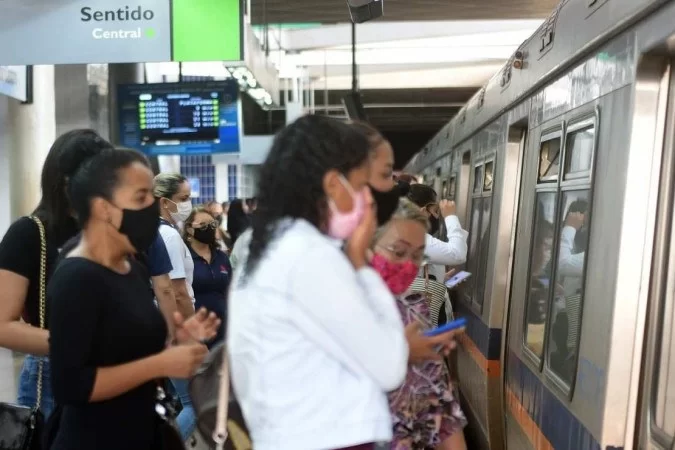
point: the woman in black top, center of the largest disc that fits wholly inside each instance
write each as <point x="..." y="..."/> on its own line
<point x="20" y="261"/>
<point x="107" y="339"/>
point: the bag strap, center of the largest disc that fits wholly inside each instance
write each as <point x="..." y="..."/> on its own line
<point x="43" y="299"/>
<point x="220" y="430"/>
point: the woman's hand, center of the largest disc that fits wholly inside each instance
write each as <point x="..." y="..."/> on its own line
<point x="359" y="242"/>
<point x="182" y="361"/>
<point x="448" y="208"/>
<point x="423" y="348"/>
<point x="201" y="327"/>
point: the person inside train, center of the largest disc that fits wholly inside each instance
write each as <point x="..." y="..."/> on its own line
<point x="173" y="193"/>
<point x="20" y="256"/>
<point x="425" y="411"/>
<point x="567" y="305"/>
<point x="385" y="190"/>
<point x="238" y="219"/>
<point x="212" y="270"/>
<point x="313" y="332"/>
<point x="107" y="338"/>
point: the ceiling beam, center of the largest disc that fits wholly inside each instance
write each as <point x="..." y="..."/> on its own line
<point x="376" y="32"/>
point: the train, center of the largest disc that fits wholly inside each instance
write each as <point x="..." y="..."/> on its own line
<point x="563" y="171"/>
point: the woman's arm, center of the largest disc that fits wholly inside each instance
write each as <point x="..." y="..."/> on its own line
<point x="15" y="334"/>
<point x="76" y="295"/>
<point x="451" y="253"/>
<point x="19" y="264"/>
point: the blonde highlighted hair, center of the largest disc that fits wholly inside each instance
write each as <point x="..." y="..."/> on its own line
<point x="406" y="210"/>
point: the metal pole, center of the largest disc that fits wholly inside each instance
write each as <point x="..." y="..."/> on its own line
<point x="355" y="84"/>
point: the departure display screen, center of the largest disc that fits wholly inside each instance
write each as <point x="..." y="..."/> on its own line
<point x="180" y="118"/>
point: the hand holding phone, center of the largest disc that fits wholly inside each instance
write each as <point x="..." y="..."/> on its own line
<point x="450" y="326"/>
<point x="457" y="279"/>
<point x="428" y="348"/>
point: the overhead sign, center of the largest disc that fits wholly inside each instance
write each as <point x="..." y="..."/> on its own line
<point x="14" y="82"/>
<point x="109" y="31"/>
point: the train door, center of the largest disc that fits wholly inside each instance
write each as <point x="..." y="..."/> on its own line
<point x="516" y="150"/>
<point x="656" y="419"/>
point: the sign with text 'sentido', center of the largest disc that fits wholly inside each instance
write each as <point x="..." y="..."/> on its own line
<point x="119" y="31"/>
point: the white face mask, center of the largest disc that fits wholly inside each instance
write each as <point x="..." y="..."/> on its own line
<point x="183" y="211"/>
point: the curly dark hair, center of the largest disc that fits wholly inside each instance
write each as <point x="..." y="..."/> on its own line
<point x="291" y="178"/>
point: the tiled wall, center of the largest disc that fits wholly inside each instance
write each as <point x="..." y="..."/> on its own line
<point x="200" y="166"/>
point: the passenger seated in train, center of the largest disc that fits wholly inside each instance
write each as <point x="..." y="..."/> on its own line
<point x="425" y="411"/>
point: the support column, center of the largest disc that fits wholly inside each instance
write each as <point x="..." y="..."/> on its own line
<point x="32" y="130"/>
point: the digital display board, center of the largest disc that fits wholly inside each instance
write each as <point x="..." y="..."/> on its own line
<point x="180" y="118"/>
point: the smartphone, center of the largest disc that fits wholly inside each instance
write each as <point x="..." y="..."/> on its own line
<point x="455" y="324"/>
<point x="457" y="278"/>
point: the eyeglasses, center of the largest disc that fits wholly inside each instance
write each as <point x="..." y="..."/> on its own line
<point x="213" y="225"/>
<point x="400" y="254"/>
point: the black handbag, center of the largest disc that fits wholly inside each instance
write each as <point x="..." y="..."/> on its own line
<point x="21" y="426"/>
<point x="220" y="421"/>
<point x="166" y="408"/>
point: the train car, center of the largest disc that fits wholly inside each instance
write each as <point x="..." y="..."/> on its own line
<point x="563" y="170"/>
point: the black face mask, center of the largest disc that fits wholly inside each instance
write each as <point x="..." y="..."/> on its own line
<point x="141" y="226"/>
<point x="435" y="223"/>
<point x="387" y="202"/>
<point x="205" y="235"/>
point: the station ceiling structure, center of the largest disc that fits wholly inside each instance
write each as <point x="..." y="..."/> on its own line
<point x="417" y="65"/>
<point x="335" y="11"/>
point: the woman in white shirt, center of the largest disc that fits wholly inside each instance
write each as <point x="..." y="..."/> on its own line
<point x="173" y="193"/>
<point x="315" y="339"/>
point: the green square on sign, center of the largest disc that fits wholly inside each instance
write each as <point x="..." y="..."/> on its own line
<point x="206" y="30"/>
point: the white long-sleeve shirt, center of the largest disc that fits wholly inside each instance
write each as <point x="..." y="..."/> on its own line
<point x="451" y="253"/>
<point x="314" y="346"/>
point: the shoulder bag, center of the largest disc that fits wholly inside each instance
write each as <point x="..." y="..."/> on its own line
<point x="219" y="417"/>
<point x="21" y="426"/>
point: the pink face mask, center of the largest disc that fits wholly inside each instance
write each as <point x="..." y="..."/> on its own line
<point x="397" y="276"/>
<point x="342" y="225"/>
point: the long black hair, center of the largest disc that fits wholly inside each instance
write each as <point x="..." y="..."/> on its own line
<point x="66" y="155"/>
<point x="291" y="178"/>
<point x="237" y="220"/>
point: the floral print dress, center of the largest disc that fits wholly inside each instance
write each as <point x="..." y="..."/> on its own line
<point x="424" y="408"/>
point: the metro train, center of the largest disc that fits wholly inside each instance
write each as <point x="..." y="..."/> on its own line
<point x="563" y="171"/>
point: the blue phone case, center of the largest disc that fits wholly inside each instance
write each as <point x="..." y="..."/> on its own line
<point x="458" y="323"/>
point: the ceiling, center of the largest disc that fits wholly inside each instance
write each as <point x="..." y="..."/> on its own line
<point x="415" y="76"/>
<point x="335" y="11"/>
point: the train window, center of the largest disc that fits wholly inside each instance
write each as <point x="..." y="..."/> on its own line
<point x="484" y="248"/>
<point x="444" y="190"/>
<point x="549" y="159"/>
<point x="474" y="243"/>
<point x="478" y="179"/>
<point x="489" y="172"/>
<point x="540" y="272"/>
<point x="579" y="153"/>
<point x="569" y="281"/>
<point x="452" y="188"/>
